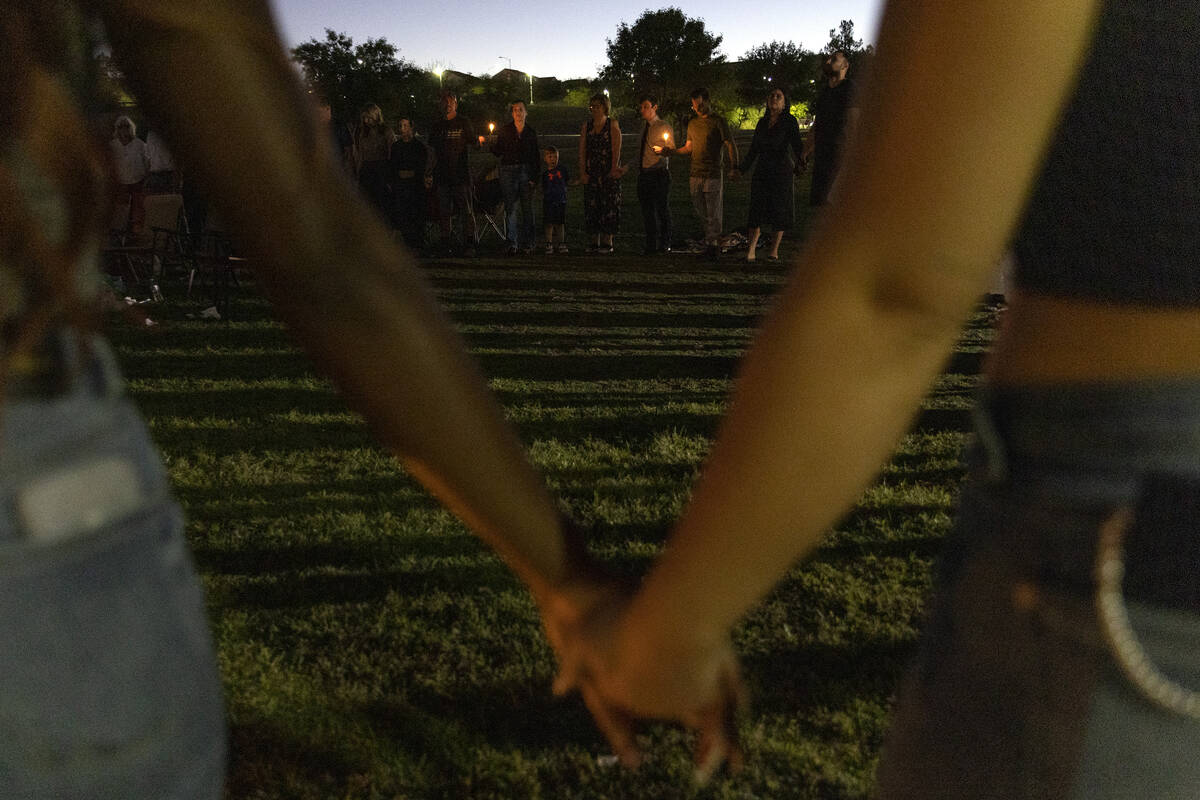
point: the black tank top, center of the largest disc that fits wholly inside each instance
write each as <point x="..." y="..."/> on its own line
<point x="1115" y="215"/>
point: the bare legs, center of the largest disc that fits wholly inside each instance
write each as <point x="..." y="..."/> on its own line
<point x="754" y="234"/>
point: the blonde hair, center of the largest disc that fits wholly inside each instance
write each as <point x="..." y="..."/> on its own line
<point x="123" y="120"/>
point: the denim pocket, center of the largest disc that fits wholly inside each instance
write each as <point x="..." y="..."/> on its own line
<point x="110" y="683"/>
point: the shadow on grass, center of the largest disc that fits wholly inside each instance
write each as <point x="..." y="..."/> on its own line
<point x="273" y="760"/>
<point x="804" y="678"/>
<point x="926" y="547"/>
<point x="289" y="561"/>
<point x="298" y="590"/>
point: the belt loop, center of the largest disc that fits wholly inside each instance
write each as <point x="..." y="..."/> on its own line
<point x="991" y="457"/>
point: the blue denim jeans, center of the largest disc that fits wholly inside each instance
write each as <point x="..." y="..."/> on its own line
<point x="1016" y="693"/>
<point x="514" y="182"/>
<point x="108" y="682"/>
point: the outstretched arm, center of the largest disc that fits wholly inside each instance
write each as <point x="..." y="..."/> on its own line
<point x="935" y="182"/>
<point x="216" y="74"/>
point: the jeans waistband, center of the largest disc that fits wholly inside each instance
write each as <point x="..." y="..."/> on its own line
<point x="1096" y="448"/>
<point x="66" y="361"/>
<point x="76" y="461"/>
<point x="1088" y="442"/>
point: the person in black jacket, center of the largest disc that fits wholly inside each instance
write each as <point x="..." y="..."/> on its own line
<point x="411" y="175"/>
<point x="520" y="162"/>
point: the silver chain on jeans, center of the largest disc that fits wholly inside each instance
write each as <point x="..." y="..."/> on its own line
<point x="1122" y="641"/>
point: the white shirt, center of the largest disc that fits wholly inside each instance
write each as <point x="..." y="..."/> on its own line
<point x="131" y="160"/>
<point x="159" y="153"/>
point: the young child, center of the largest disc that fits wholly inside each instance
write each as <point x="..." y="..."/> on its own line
<point x="554" y="201"/>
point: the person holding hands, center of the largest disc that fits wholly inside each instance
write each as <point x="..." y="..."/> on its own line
<point x="1062" y="658"/>
<point x="708" y="140"/>
<point x="600" y="173"/>
<point x="520" y="161"/>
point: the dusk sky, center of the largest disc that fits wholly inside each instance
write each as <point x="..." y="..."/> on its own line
<point x="564" y="40"/>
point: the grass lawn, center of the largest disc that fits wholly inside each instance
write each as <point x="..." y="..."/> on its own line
<point x="371" y="647"/>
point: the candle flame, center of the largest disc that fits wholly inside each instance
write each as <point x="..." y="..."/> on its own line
<point x="666" y="136"/>
<point x="491" y="127"/>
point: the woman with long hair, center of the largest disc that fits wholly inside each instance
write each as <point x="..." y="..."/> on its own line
<point x="373" y="140"/>
<point x="600" y="172"/>
<point x="771" y="198"/>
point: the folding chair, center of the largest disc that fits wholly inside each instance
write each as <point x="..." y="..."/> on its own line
<point x="215" y="265"/>
<point x="488" y="202"/>
<point x="138" y="257"/>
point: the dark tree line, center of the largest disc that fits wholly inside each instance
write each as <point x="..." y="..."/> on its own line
<point x="664" y="53"/>
<point x="667" y="54"/>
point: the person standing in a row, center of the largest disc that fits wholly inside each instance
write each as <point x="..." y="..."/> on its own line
<point x="654" y="178"/>
<point x="520" y="163"/>
<point x="708" y="139"/>
<point x="372" y="146"/>
<point x="835" y="115"/>
<point x="771" y="199"/>
<point x="411" y="175"/>
<point x="600" y="172"/>
<point x="450" y="138"/>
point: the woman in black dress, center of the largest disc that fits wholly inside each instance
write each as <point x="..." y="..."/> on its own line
<point x="771" y="200"/>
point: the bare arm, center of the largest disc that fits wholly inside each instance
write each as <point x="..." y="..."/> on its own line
<point x="371" y="322"/>
<point x="583" y="176"/>
<point x="883" y="286"/>
<point x="731" y="150"/>
<point x="615" y="138"/>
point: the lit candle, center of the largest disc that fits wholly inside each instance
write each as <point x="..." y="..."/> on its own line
<point x="666" y="136"/>
<point x="491" y="127"/>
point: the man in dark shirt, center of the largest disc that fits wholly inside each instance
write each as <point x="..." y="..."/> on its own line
<point x="654" y="178"/>
<point x="410" y="174"/>
<point x="836" y="114"/>
<point x="451" y="137"/>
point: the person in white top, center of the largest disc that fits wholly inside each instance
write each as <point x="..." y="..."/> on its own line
<point x="132" y="164"/>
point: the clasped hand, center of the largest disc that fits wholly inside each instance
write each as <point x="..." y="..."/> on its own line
<point x="622" y="676"/>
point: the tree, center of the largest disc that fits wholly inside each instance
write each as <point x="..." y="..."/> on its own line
<point x="664" y="53"/>
<point x="782" y="65"/>
<point x="351" y="76"/>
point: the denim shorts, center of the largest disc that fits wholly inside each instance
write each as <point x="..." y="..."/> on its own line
<point x="1016" y="693"/>
<point x="108" y="682"/>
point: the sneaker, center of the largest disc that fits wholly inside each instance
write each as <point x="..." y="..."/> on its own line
<point x="549" y="249"/>
<point x="605" y="249"/>
<point x="562" y="248"/>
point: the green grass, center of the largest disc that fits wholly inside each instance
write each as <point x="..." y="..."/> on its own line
<point x="371" y="647"/>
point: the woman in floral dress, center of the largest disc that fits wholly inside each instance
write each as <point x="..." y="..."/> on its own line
<point x="600" y="172"/>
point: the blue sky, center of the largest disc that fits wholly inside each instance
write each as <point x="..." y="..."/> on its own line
<point x="566" y="40"/>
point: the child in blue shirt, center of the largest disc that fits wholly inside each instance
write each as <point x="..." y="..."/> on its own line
<point x="554" y="201"/>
